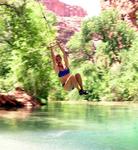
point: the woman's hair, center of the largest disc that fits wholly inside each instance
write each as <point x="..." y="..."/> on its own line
<point x="19" y="89"/>
<point x="58" y="58"/>
<point x="58" y="55"/>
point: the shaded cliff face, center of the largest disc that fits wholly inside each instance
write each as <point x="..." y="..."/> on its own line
<point x="67" y="26"/>
<point x="64" y="10"/>
<point x="128" y="10"/>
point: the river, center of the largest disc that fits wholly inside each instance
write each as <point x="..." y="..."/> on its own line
<point x="70" y="127"/>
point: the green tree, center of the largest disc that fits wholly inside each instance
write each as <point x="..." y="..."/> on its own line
<point x="24" y="39"/>
<point x="110" y="69"/>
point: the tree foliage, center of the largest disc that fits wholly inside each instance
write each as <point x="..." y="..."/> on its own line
<point x="110" y="67"/>
<point x="24" y="38"/>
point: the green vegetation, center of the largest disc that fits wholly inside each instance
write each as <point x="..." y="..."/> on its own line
<point x="109" y="68"/>
<point x="24" y="38"/>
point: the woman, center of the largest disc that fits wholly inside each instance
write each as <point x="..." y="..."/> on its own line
<point x="68" y="81"/>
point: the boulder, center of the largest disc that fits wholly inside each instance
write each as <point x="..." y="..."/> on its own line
<point x="18" y="98"/>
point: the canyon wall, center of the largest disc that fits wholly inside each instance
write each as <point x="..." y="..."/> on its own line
<point x="64" y="10"/>
<point x="67" y="26"/>
<point x="69" y="18"/>
<point x="128" y="10"/>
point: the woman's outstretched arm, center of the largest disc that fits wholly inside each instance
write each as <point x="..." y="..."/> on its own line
<point x="65" y="55"/>
<point x="53" y="58"/>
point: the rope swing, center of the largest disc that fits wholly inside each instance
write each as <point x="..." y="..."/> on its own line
<point x="54" y="43"/>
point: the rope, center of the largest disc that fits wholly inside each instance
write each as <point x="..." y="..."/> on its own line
<point x="46" y="22"/>
<point x="44" y="16"/>
<point x="53" y="44"/>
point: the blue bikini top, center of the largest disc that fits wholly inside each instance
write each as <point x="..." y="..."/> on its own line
<point x="64" y="72"/>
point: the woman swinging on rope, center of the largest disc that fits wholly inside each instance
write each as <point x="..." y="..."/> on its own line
<point x="68" y="81"/>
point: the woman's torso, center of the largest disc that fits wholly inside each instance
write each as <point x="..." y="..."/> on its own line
<point x="63" y="76"/>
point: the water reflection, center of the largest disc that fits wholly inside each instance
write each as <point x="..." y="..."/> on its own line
<point x="59" y="116"/>
<point x="10" y="119"/>
<point x="15" y="113"/>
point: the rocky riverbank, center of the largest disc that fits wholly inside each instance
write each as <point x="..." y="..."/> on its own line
<point x="18" y="98"/>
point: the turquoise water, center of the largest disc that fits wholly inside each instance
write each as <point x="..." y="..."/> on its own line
<point x="70" y="127"/>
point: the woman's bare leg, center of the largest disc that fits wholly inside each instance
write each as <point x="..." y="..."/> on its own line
<point x="75" y="82"/>
<point x="79" y="80"/>
<point x="71" y="82"/>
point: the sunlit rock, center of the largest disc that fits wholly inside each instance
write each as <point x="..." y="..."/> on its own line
<point x="64" y="10"/>
<point x="69" y="18"/>
<point x="17" y="98"/>
<point x="128" y="10"/>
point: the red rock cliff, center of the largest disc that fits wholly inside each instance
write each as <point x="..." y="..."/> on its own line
<point x="65" y="10"/>
<point x="67" y="26"/>
<point x="128" y="9"/>
<point x="69" y="18"/>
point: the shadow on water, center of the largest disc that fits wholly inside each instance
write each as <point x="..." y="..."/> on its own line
<point x="70" y="127"/>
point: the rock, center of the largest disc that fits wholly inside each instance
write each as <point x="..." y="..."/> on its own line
<point x="69" y="18"/>
<point x="127" y="8"/>
<point x="64" y="10"/>
<point x="67" y="26"/>
<point x="17" y="98"/>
